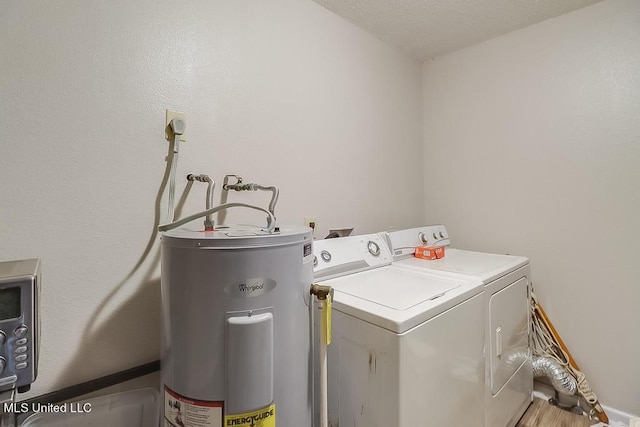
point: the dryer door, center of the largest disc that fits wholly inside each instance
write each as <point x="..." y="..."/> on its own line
<point x="509" y="332"/>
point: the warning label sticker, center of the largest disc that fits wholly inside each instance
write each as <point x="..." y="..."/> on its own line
<point x="180" y="411"/>
<point x="307" y="253"/>
<point x="262" y="418"/>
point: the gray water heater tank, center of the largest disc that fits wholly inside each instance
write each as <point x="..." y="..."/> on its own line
<point x="236" y="335"/>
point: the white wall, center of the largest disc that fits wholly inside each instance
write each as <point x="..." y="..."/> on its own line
<point x="532" y="147"/>
<point x="282" y="92"/>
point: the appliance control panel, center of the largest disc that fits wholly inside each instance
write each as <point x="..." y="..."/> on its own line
<point x="404" y="242"/>
<point x="19" y="323"/>
<point x="346" y="255"/>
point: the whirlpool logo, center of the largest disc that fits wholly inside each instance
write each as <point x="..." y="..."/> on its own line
<point x="250" y="287"/>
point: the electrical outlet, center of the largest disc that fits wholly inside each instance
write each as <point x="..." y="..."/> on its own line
<point x="310" y="221"/>
<point x="170" y="115"/>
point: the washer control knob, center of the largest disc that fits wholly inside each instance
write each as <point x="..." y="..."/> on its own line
<point x="315" y="261"/>
<point x="435" y="236"/>
<point x="21" y="331"/>
<point x="373" y="247"/>
<point x="441" y="235"/>
<point x="3" y="338"/>
<point x="3" y="364"/>
<point x="326" y="256"/>
<point x="422" y="237"/>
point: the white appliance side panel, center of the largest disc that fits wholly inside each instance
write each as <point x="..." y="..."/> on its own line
<point x="442" y="376"/>
<point x="430" y="375"/>
<point x="362" y="374"/>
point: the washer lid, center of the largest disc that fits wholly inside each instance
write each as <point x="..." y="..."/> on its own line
<point x="396" y="289"/>
<point x="399" y="299"/>
<point x="486" y="266"/>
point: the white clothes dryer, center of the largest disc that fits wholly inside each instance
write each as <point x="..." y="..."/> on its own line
<point x="407" y="346"/>
<point x="508" y="373"/>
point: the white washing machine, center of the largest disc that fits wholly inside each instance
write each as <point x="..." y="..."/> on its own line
<point x="508" y="373"/>
<point x="407" y="346"/>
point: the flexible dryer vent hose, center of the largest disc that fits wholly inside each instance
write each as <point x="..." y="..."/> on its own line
<point x="560" y="378"/>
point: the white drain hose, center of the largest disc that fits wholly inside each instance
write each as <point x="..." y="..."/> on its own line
<point x="177" y="127"/>
<point x="170" y="226"/>
<point x="172" y="179"/>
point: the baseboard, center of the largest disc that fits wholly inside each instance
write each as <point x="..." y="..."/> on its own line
<point x="78" y="390"/>
<point x="616" y="416"/>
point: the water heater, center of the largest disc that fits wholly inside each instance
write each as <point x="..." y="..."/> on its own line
<point x="236" y="330"/>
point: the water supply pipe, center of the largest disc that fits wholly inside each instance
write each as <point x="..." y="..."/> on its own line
<point x="240" y="186"/>
<point x="208" y="222"/>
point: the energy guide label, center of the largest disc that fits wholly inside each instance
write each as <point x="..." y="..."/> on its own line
<point x="262" y="418"/>
<point x="181" y="411"/>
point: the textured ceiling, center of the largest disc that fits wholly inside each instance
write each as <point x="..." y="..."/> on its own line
<point x="426" y="28"/>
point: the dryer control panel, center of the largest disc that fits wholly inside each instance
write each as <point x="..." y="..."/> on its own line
<point x="404" y="242"/>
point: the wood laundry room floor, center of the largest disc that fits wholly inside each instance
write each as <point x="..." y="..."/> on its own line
<point x="541" y="414"/>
